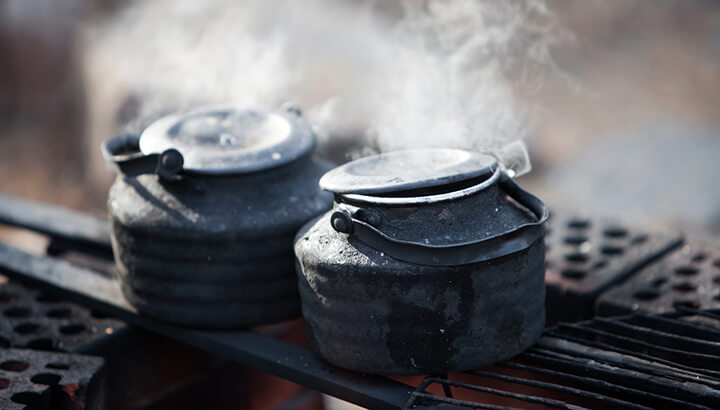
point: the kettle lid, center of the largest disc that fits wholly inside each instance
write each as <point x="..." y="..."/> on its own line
<point x="405" y="170"/>
<point x="224" y="140"/>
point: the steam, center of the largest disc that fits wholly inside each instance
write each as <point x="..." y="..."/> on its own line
<point x="434" y="73"/>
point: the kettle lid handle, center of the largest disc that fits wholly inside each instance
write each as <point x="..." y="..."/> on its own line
<point x="124" y="152"/>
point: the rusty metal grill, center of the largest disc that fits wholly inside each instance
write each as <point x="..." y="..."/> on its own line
<point x="636" y="361"/>
<point x="587" y="256"/>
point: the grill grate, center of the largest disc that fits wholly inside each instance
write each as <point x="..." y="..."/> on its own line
<point x="40" y="320"/>
<point x="585" y="257"/>
<point x="689" y="277"/>
<point x="45" y="380"/>
<point x="637" y="361"/>
<point x="627" y="362"/>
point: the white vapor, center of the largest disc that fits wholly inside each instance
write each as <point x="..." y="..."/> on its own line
<point x="421" y="74"/>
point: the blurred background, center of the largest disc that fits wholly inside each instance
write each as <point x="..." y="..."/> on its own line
<point x="618" y="101"/>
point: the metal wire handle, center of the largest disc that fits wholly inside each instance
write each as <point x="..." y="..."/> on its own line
<point x="343" y="220"/>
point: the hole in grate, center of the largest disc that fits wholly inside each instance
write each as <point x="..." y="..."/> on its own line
<point x="576" y="257"/>
<point x="574" y="273"/>
<point x="689" y="304"/>
<point x="72" y="329"/>
<point x="4" y="384"/>
<point x="575" y="240"/>
<point x="98" y="315"/>
<point x="17" y="312"/>
<point x="42" y="343"/>
<point x="47" y="298"/>
<point x="578" y="224"/>
<point x="717" y="263"/>
<point x="58" y="366"/>
<point x="638" y="239"/>
<point x="6" y="297"/>
<point x="611" y="250"/>
<point x="684" y="287"/>
<point x="48" y="379"/>
<point x="58" y="313"/>
<point x="26" y="328"/>
<point x="646" y="294"/>
<point x="27" y="398"/>
<point x="659" y="282"/>
<point x="599" y="264"/>
<point x="686" y="270"/>
<point x="699" y="257"/>
<point x="13" y="365"/>
<point x="615" y="232"/>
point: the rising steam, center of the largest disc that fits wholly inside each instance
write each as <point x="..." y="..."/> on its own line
<point x="409" y="74"/>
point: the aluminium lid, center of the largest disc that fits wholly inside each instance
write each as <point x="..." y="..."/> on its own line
<point x="224" y="140"/>
<point x="407" y="170"/>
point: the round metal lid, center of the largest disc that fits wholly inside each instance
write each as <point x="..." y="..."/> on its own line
<point x="406" y="170"/>
<point x="223" y="140"/>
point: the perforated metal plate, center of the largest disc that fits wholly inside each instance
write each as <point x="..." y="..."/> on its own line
<point x="688" y="277"/>
<point x="586" y="256"/>
<point x="39" y="320"/>
<point x="43" y="380"/>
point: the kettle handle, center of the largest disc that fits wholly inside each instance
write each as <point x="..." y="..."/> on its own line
<point x="515" y="240"/>
<point x="124" y="152"/>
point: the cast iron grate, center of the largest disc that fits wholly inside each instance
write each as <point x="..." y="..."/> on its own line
<point x="586" y="256"/>
<point x="638" y="361"/>
<point x="48" y="380"/>
<point x="630" y="362"/>
<point x="689" y="277"/>
<point x="35" y="319"/>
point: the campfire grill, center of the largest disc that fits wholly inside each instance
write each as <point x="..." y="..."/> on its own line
<point x="637" y="361"/>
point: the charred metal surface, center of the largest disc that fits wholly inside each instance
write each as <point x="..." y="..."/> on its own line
<point x="371" y="313"/>
<point x="433" y="303"/>
<point x="36" y="319"/>
<point x="219" y="259"/>
<point x="688" y="277"/>
<point x="587" y="256"/>
<point x="634" y="362"/>
<point x="43" y="380"/>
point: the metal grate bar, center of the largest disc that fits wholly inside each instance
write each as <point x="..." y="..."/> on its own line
<point x="675" y="326"/>
<point x="690" y="371"/>
<point x="600" y="386"/>
<point x="599" y="399"/>
<point x="688" y="358"/>
<point x="689" y="392"/>
<point x="81" y="231"/>
<point x="517" y="396"/>
<point x="665" y="339"/>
